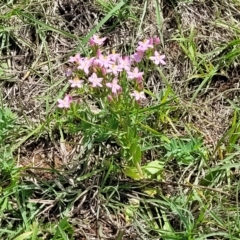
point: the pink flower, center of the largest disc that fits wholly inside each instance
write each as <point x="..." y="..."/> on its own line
<point x="65" y="103"/>
<point x="68" y="72"/>
<point x="99" y="52"/>
<point x="84" y="64"/>
<point x="103" y="61"/>
<point x="114" y="86"/>
<point x="76" y="83"/>
<point x="114" y="56"/>
<point x="96" y="82"/>
<point x="114" y="68"/>
<point x="157" y="58"/>
<point x="156" y="40"/>
<point x="76" y="59"/>
<point x="103" y="71"/>
<point x="110" y="98"/>
<point x="145" y="45"/>
<point x="135" y="74"/>
<point x="95" y="40"/>
<point x="138" y="95"/>
<point x="138" y="56"/>
<point x="124" y="63"/>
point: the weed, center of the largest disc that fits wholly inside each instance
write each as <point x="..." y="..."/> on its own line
<point x="116" y="158"/>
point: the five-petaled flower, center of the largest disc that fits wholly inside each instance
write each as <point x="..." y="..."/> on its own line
<point x="114" y="56"/>
<point x="65" y="103"/>
<point x="135" y="74"/>
<point x="138" y="56"/>
<point x="138" y="95"/>
<point x="114" y="86"/>
<point x="103" y="61"/>
<point x="144" y="45"/>
<point x="95" y="80"/>
<point x="157" y="58"/>
<point x="76" y="82"/>
<point x="76" y="59"/>
<point x="84" y="64"/>
<point x="124" y="63"/>
<point x="95" y="40"/>
<point x="114" y="69"/>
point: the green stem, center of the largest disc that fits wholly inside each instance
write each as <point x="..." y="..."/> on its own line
<point x="120" y="235"/>
<point x="139" y="170"/>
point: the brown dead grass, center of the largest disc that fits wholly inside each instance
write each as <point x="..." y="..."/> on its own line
<point x="38" y="67"/>
<point x="212" y="113"/>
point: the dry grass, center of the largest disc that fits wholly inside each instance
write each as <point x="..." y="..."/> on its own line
<point x="196" y="35"/>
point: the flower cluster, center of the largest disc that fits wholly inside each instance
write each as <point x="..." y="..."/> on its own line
<point x="108" y="71"/>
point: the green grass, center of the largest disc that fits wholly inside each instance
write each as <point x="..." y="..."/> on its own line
<point x="167" y="169"/>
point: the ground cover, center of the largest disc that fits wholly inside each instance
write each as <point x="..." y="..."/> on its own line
<point x="149" y="157"/>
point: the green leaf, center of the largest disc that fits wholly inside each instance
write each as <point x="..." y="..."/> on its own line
<point x="24" y="236"/>
<point x="136" y="153"/>
<point x="132" y="173"/>
<point x="154" y="167"/>
<point x="63" y="230"/>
